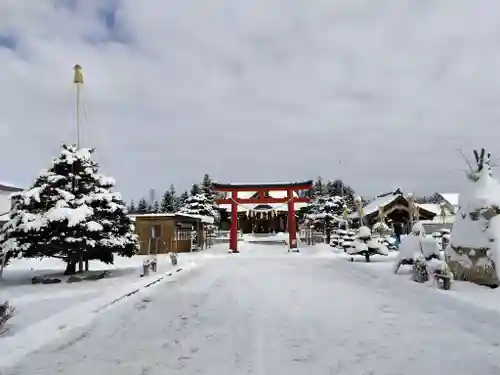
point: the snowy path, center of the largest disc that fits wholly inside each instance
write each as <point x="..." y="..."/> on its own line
<point x="281" y="314"/>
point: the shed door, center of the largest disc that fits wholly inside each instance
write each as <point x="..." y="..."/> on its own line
<point x="155" y="239"/>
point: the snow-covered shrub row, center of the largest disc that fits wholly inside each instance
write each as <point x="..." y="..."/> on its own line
<point x="6" y="313"/>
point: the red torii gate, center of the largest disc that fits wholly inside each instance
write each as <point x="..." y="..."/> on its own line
<point x="263" y="198"/>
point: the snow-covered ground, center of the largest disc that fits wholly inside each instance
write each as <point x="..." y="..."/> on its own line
<point x="47" y="311"/>
<point x="266" y="311"/>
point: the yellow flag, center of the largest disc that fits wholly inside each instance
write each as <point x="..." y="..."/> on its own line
<point x="78" y="77"/>
<point x="417" y="212"/>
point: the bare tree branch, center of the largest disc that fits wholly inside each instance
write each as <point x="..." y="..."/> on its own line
<point x="465" y="158"/>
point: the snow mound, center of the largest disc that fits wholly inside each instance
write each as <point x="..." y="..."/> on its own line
<point x="364" y="233"/>
<point x="474" y="250"/>
<point x="412" y="246"/>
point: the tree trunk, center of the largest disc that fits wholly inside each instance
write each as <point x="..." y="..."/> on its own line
<point x="70" y="266"/>
<point x="328" y="235"/>
<point x="80" y="260"/>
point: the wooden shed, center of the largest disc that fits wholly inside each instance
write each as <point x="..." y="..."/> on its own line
<point x="164" y="233"/>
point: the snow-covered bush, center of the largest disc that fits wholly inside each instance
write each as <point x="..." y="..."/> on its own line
<point x="381" y="229"/>
<point x="364" y="234"/>
<point x="474" y="250"/>
<point x="6" y="312"/>
<point x="420" y="272"/>
<point x="365" y="245"/>
<point x="70" y="213"/>
<point x="343" y="239"/>
<point x="416" y="244"/>
<point x="382" y="233"/>
<point x="441" y="273"/>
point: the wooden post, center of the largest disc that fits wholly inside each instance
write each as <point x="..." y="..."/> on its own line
<point x="233" y="238"/>
<point x="292" y="227"/>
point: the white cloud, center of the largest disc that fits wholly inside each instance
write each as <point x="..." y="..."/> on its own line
<point x="184" y="87"/>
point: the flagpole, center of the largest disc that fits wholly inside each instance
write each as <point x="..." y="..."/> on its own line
<point x="78" y="81"/>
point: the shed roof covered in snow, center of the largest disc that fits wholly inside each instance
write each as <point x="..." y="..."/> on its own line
<point x="178" y="216"/>
<point x="451" y="198"/>
<point x="9" y="187"/>
<point x="6" y="191"/>
<point x="432" y="207"/>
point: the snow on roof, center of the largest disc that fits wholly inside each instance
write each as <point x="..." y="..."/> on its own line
<point x="7" y="186"/>
<point x="375" y="205"/>
<point x="431" y="207"/>
<point x="451" y="198"/>
<point x="204" y="219"/>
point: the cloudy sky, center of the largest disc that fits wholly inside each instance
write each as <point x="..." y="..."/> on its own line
<point x="380" y="93"/>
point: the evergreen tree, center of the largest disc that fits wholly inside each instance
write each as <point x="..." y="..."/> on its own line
<point x="338" y="188"/>
<point x="199" y="204"/>
<point x="183" y="198"/>
<point x="206" y="186"/>
<point x="326" y="210"/>
<point x="169" y="201"/>
<point x="142" y="207"/>
<point x="131" y="208"/>
<point x="195" y="189"/>
<point x="70" y="213"/>
<point x="318" y="188"/>
<point x="155" y="208"/>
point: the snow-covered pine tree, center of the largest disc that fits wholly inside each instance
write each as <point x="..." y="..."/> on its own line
<point x="142" y="207"/>
<point x="156" y="207"/>
<point x="206" y="187"/>
<point x="169" y="202"/>
<point x="182" y="199"/>
<point x="319" y="187"/>
<point x="70" y="213"/>
<point x="338" y="188"/>
<point x="195" y="189"/>
<point x="199" y="204"/>
<point x="132" y="209"/>
<point x="325" y="211"/>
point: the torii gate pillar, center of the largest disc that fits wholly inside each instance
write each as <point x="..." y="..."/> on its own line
<point x="292" y="226"/>
<point x="233" y="237"/>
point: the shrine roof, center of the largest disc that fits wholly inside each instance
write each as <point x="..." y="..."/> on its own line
<point x="253" y="186"/>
